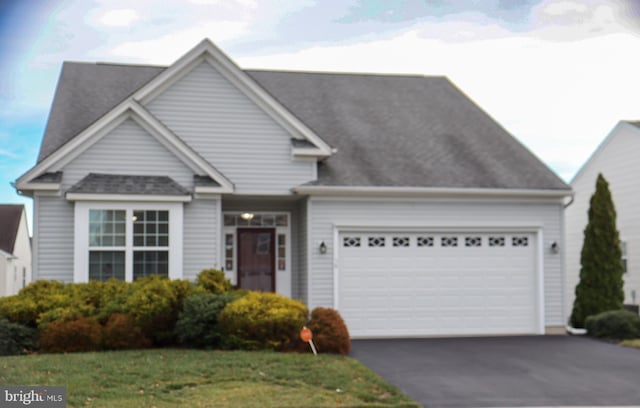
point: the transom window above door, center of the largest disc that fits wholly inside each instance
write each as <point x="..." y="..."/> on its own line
<point x="255" y="220"/>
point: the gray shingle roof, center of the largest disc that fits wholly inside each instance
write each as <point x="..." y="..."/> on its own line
<point x="389" y="130"/>
<point x="49" y="177"/>
<point x="204" y="181"/>
<point x="123" y="184"/>
<point x="10" y="215"/>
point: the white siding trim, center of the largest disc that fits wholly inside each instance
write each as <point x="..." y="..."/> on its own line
<point x="309" y="253"/>
<point x="540" y="273"/>
<point x="339" y="191"/>
<point x="127" y="197"/>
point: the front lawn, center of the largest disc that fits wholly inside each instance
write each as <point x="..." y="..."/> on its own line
<point x="631" y="343"/>
<point x="174" y="377"/>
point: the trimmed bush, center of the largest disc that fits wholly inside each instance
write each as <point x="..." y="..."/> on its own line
<point x="121" y="333"/>
<point x="330" y="333"/>
<point x="614" y="324"/>
<point x="197" y="325"/>
<point x="15" y="338"/>
<point x="154" y="303"/>
<point x="214" y="281"/>
<point x="33" y="300"/>
<point x="261" y="320"/>
<point x="82" y="334"/>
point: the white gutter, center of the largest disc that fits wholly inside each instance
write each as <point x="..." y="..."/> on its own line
<point x="428" y="191"/>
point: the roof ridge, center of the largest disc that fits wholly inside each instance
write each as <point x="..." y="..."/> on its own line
<point x="342" y="73"/>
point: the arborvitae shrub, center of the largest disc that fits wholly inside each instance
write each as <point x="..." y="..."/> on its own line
<point x="197" y="325"/>
<point x="330" y="333"/>
<point x="213" y="280"/>
<point x="601" y="284"/>
<point x="15" y="338"/>
<point x="614" y="324"/>
<point x="121" y="333"/>
<point x="82" y="334"/>
<point x="261" y="320"/>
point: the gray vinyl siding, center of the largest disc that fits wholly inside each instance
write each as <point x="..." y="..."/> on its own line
<point x="327" y="214"/>
<point x="53" y="238"/>
<point x="616" y="159"/>
<point x="201" y="237"/>
<point x="231" y="132"/>
<point x="129" y="150"/>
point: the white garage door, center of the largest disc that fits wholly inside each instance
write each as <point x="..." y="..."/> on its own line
<point x="426" y="284"/>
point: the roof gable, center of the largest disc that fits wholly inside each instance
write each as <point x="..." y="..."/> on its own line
<point x="620" y="127"/>
<point x="389" y="130"/>
<point x="129" y="109"/>
<point x="10" y="216"/>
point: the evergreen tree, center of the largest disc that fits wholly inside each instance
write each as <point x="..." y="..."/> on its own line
<point x="601" y="284"/>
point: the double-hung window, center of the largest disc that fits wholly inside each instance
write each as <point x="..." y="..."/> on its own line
<point x="127" y="241"/>
<point x="150" y="243"/>
<point x="107" y="244"/>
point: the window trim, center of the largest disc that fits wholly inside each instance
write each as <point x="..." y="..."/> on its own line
<point x="81" y="235"/>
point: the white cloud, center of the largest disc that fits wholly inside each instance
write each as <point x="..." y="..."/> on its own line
<point x="559" y="98"/>
<point x="558" y="8"/>
<point x="168" y="48"/>
<point x="9" y="154"/>
<point x="119" y="18"/>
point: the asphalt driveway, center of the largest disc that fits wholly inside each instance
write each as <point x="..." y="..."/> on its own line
<point x="506" y="371"/>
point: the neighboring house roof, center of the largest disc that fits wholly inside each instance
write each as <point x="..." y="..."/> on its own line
<point x="389" y="130"/>
<point x="10" y="215"/>
<point x="125" y="184"/>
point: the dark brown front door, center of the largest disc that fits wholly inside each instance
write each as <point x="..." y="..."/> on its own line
<point x="256" y="259"/>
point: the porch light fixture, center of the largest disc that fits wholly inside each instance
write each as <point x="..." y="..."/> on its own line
<point x="554" y="247"/>
<point x="323" y="248"/>
<point x="247" y="216"/>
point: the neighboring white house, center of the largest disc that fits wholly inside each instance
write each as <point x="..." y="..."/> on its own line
<point x="15" y="249"/>
<point x="616" y="158"/>
<point x="393" y="198"/>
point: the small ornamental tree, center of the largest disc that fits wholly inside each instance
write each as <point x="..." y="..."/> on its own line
<point x="601" y="285"/>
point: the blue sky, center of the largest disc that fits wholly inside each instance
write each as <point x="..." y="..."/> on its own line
<point x="557" y="74"/>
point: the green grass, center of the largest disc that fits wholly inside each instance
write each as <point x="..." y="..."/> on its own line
<point x="174" y="377"/>
<point x="631" y="343"/>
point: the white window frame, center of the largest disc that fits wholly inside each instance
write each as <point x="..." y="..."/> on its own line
<point x="81" y="235"/>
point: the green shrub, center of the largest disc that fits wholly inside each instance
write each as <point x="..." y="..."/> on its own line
<point x="121" y="333"/>
<point x="154" y="303"/>
<point x="15" y="338"/>
<point x="33" y="300"/>
<point x="615" y="324"/>
<point x="261" y="321"/>
<point x="330" y="333"/>
<point x="82" y="334"/>
<point x="214" y="281"/>
<point x="197" y="325"/>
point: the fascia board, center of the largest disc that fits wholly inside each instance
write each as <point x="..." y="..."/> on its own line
<point x="428" y="192"/>
<point x="75" y="146"/>
<point x="126" y="197"/>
